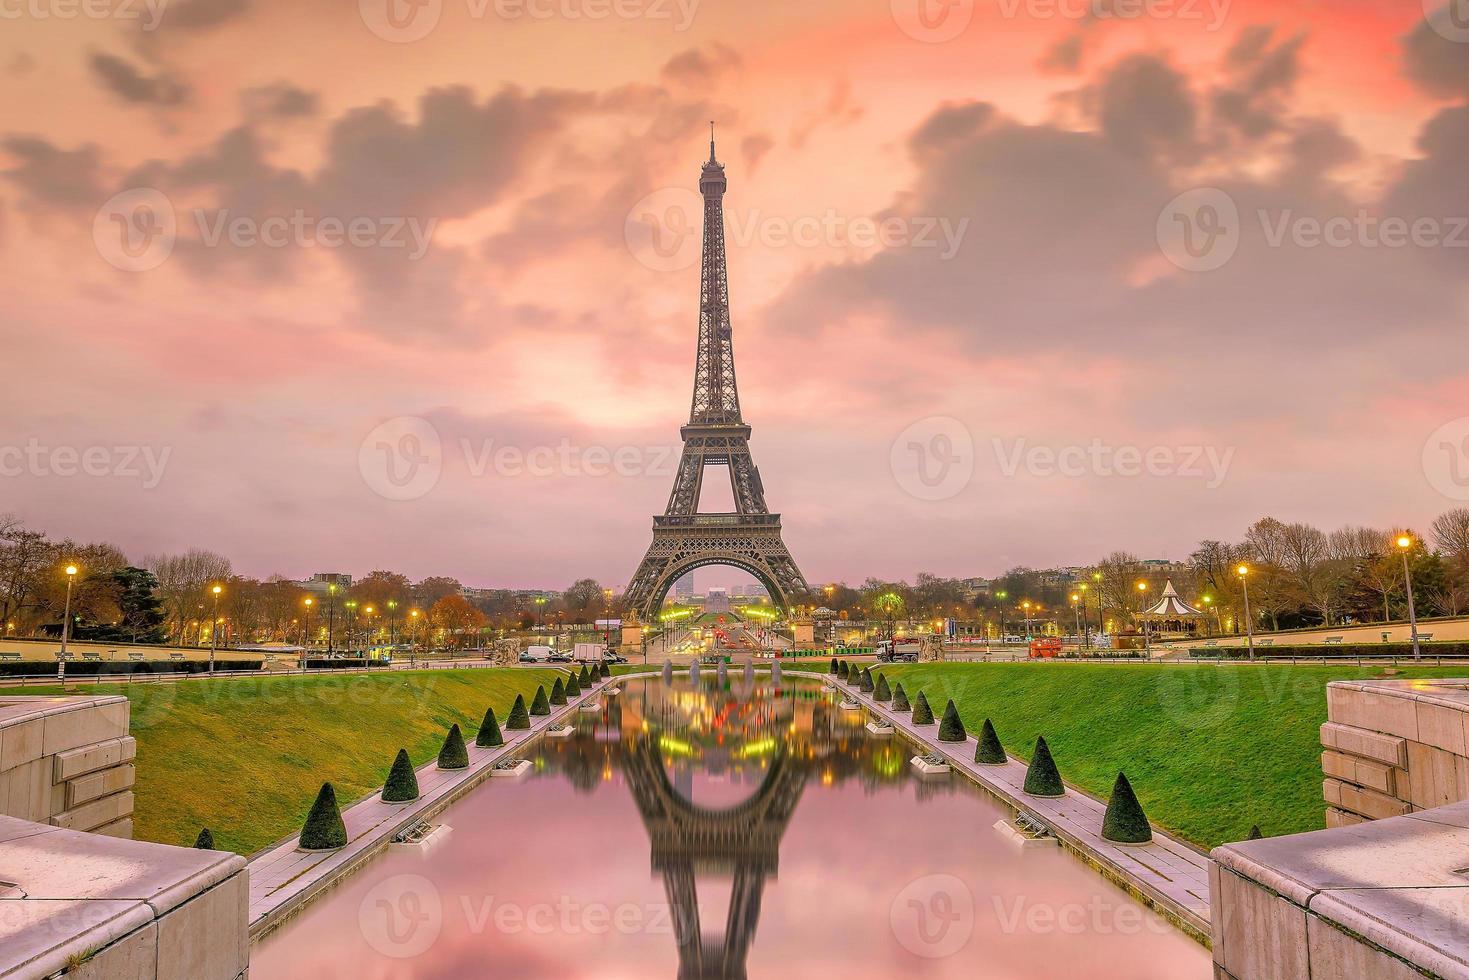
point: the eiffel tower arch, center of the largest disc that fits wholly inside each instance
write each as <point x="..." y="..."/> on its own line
<point x="742" y="841"/>
<point x="749" y="538"/>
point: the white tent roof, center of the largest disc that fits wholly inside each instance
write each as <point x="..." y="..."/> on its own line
<point x="1172" y="607"/>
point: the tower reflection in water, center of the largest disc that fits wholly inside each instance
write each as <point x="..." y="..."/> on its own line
<point x="768" y="741"/>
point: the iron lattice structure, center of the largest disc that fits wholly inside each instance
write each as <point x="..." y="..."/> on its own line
<point x="684" y="539"/>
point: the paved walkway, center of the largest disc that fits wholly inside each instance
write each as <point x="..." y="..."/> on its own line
<point x="284" y="879"/>
<point x="1166" y="874"/>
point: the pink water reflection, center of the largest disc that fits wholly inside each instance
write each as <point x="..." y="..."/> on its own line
<point x="879" y="874"/>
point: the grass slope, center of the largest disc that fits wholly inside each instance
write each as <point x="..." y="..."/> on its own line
<point x="245" y="758"/>
<point x="1209" y="750"/>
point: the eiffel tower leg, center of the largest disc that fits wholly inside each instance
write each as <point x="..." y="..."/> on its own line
<point x="683" y="901"/>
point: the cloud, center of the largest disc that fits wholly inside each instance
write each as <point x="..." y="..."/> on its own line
<point x="701" y="69"/>
<point x="201" y="15"/>
<point x="125" y="81"/>
<point x="281" y="100"/>
<point x="52" y="177"/>
<point x="753" y="149"/>
<point x="1439" y="66"/>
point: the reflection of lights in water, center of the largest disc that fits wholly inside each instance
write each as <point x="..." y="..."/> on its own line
<point x="827" y="778"/>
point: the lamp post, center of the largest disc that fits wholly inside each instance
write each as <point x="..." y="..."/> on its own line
<point x="71" y="574"/>
<point x="1208" y="602"/>
<point x="214" y="625"/>
<point x="393" y="623"/>
<point x="1243" y="572"/>
<point x="1002" y="595"/>
<point x="413" y="615"/>
<point x="309" y="602"/>
<point x="331" y="617"/>
<point x="1405" y="543"/>
<point x="367" y="611"/>
<point x="1142" y="588"/>
<point x="1076" y="611"/>
<point x="351" y="606"/>
<point x="1026" y="606"/>
<point x="541" y="612"/>
<point x="1086" y="623"/>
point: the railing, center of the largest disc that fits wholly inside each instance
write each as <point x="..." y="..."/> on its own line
<point x="717" y="520"/>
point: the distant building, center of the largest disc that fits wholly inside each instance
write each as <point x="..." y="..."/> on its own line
<point x="321" y="583"/>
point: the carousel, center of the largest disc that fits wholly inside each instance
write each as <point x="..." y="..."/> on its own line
<point x="1172" y="616"/>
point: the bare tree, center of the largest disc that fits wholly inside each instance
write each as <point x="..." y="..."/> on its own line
<point x="183" y="581"/>
<point x="1451" y="533"/>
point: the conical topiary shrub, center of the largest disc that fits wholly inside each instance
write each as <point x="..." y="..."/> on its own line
<point x="900" y="698"/>
<point x="540" y="704"/>
<point x="1042" y="778"/>
<point x="842" y="669"/>
<point x="866" y="684"/>
<point x="989" y="752"/>
<point x="604" y="671"/>
<point x="402" y="784"/>
<point x="951" y="729"/>
<point x="454" y="755"/>
<point x="324" y="830"/>
<point x="881" y="691"/>
<point x="833" y="666"/>
<point x="573" y="687"/>
<point x="1125" y="822"/>
<point x="489" y="731"/>
<point x="585" y="680"/>
<point x="205" y="840"/>
<point x="558" y="692"/>
<point x="519" y="717"/>
<point x="1254" y="832"/>
<point x="922" y="713"/>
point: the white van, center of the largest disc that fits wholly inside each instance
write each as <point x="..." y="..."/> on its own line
<point x="538" y="654"/>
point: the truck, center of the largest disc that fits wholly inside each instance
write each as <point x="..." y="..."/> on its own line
<point x="536" y="654"/>
<point x="890" y="651"/>
<point x="589" y="653"/>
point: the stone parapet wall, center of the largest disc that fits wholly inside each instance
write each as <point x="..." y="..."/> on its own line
<point x="1393" y="747"/>
<point x="68" y="762"/>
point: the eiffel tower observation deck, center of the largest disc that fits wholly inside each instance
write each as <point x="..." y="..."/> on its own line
<point x="749" y="537"/>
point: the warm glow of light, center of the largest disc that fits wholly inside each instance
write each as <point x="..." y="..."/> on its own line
<point x="71" y="569"/>
<point x="217" y="590"/>
<point x="1242" y="571"/>
<point x="1405" y="542"/>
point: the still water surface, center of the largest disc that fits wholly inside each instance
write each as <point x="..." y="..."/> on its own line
<point x="689" y="832"/>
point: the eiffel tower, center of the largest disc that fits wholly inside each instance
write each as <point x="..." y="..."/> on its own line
<point x="683" y="538"/>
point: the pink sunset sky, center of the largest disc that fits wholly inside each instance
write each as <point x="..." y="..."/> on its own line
<point x="949" y="395"/>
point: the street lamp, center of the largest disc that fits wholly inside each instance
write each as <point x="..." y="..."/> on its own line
<point x="1076" y="611"/>
<point x="214" y="626"/>
<point x="541" y="612"/>
<point x="1085" y="620"/>
<point x="1243" y="571"/>
<point x="368" y="611"/>
<point x="393" y="623"/>
<point x="1142" y="589"/>
<point x="331" y="617"/>
<point x="309" y="603"/>
<point x="71" y="574"/>
<point x="1405" y="543"/>
<point x="413" y="615"/>
<point x="1208" y="602"/>
<point x="351" y="605"/>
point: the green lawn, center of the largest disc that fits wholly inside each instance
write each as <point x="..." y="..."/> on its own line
<point x="1210" y="750"/>
<point x="246" y="757"/>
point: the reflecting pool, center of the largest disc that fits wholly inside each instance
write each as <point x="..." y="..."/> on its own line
<point x="690" y="831"/>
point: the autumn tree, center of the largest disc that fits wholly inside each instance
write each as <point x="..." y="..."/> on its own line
<point x="457" y="619"/>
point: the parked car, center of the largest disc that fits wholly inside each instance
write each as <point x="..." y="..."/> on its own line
<point x="559" y="657"/>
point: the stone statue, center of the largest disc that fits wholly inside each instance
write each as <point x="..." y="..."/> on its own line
<point x="507" y="652"/>
<point x="930" y="648"/>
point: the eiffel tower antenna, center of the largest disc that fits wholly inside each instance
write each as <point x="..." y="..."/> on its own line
<point x="716" y="434"/>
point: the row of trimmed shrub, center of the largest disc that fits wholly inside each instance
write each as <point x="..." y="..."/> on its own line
<point x="324" y="829"/>
<point x="92" y="668"/>
<point x="1322" y="651"/>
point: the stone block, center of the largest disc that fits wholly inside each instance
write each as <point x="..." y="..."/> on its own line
<point x="1390" y="750"/>
<point x="90" y="816"/>
<point x="118" y="828"/>
<point x="1373" y="711"/>
<point x="221" y="914"/>
<point x="1363" y="772"/>
<point x="1369" y="803"/>
<point x="1441" y="727"/>
<point x="27" y="790"/>
<point x="1335" y="955"/>
<point x="132" y="957"/>
<point x="1433" y="776"/>
<point x="85" y="725"/>
<point x="21" y="743"/>
<point x="1331" y="791"/>
<point x="90" y="758"/>
<point x="1341" y="818"/>
<point x="104" y="782"/>
<point x="1263" y="935"/>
